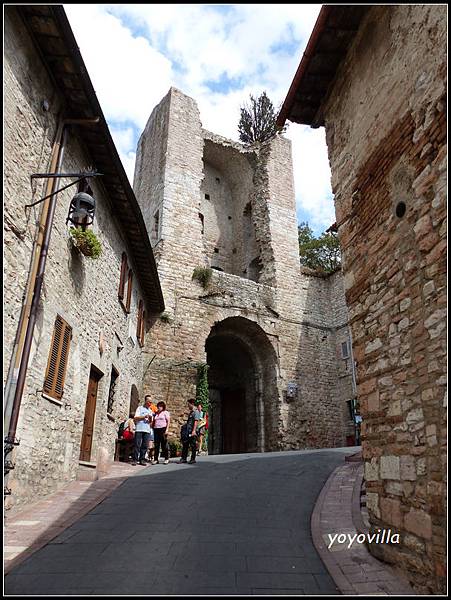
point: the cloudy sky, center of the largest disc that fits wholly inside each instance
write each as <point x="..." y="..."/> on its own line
<point x="217" y="54"/>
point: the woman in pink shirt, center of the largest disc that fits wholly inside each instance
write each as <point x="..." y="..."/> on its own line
<point x="161" y="428"/>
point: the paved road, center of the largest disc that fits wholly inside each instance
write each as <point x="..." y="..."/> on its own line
<point x="228" y="525"/>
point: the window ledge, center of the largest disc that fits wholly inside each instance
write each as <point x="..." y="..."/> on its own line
<point x="54" y="400"/>
<point x="124" y="307"/>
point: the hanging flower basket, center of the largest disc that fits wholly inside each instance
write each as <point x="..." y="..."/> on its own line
<point x="86" y="242"/>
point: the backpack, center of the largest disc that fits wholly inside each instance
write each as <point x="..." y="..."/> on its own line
<point x="184" y="433"/>
<point x="120" y="433"/>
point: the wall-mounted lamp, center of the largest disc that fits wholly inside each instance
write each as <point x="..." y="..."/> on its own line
<point x="82" y="209"/>
<point x="82" y="205"/>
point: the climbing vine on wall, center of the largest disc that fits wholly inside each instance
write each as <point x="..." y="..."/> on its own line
<point x="202" y="396"/>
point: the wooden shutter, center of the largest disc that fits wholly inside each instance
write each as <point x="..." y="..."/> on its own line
<point x="123" y="274"/>
<point x="143" y="323"/>
<point x="139" y="322"/>
<point x="58" y="358"/>
<point x="129" y="290"/>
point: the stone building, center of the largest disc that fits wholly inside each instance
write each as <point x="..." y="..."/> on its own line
<point x="275" y="338"/>
<point x="375" y="77"/>
<point x="86" y="362"/>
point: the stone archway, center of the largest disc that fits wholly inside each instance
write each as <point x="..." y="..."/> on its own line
<point x="242" y="379"/>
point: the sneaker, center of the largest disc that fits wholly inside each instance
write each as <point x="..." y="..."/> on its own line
<point x="166" y="462"/>
<point x="192" y="462"/>
<point x="155" y="462"/>
<point x="143" y="463"/>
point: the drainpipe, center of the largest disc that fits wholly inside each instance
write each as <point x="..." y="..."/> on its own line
<point x="11" y="441"/>
<point x="354" y="387"/>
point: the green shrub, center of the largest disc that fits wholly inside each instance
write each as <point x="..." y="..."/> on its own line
<point x="202" y="395"/>
<point x="86" y="242"/>
<point x="175" y="448"/>
<point x="203" y="276"/>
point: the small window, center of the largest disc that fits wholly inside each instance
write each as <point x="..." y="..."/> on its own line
<point x="216" y="250"/>
<point x="218" y="180"/>
<point x="156" y="227"/>
<point x="201" y="217"/>
<point x="58" y="358"/>
<point x="345" y="350"/>
<point x="207" y="196"/>
<point x="112" y="390"/>
<point x="140" y="323"/>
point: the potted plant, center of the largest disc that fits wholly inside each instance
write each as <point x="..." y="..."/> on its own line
<point x="86" y="242"/>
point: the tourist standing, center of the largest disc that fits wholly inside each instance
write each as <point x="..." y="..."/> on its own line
<point x="200" y="427"/>
<point x="143" y="432"/>
<point x="160" y="428"/>
<point x="189" y="438"/>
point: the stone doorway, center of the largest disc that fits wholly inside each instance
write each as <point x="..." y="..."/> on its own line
<point x="242" y="380"/>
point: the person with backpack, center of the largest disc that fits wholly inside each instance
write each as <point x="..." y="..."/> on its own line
<point x="125" y="435"/>
<point x="200" y="427"/>
<point x="128" y="429"/>
<point x="188" y="434"/>
<point x="143" y="432"/>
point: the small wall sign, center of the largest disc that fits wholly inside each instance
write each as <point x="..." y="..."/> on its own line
<point x="292" y="390"/>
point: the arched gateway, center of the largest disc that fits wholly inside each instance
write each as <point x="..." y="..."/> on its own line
<point x="243" y="388"/>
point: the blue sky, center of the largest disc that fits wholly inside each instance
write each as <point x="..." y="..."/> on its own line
<point x="218" y="55"/>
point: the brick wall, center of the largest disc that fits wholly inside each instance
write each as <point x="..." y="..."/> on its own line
<point x="386" y="132"/>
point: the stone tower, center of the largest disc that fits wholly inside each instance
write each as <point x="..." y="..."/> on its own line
<point x="268" y="332"/>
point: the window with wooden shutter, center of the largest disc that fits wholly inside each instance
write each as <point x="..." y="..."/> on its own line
<point x="140" y="323"/>
<point x="129" y="290"/>
<point x="124" y="268"/>
<point x="58" y="359"/>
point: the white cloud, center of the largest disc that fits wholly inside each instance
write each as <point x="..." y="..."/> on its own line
<point x="134" y="53"/>
<point x="312" y="175"/>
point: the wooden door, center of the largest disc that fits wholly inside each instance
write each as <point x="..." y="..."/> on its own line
<point x="233" y="421"/>
<point x="90" y="411"/>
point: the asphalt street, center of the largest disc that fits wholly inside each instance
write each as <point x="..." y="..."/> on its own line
<point x="234" y="524"/>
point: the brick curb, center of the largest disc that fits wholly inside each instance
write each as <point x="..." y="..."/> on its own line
<point x="54" y="528"/>
<point x="354" y="570"/>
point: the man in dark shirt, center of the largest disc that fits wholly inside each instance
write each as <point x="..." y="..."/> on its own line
<point x="190" y="440"/>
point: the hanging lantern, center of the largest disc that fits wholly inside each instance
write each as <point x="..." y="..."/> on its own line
<point x="82" y="209"/>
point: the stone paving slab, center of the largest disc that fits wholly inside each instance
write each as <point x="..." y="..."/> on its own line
<point x="354" y="569"/>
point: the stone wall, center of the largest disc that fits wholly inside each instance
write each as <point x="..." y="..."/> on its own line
<point x="283" y="318"/>
<point x="81" y="290"/>
<point x="386" y="132"/>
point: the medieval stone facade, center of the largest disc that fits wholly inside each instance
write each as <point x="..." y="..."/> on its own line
<point x="81" y="291"/>
<point x="385" y="119"/>
<point x="271" y="334"/>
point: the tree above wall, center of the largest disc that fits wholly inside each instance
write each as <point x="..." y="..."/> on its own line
<point x="258" y="120"/>
<point x="321" y="254"/>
